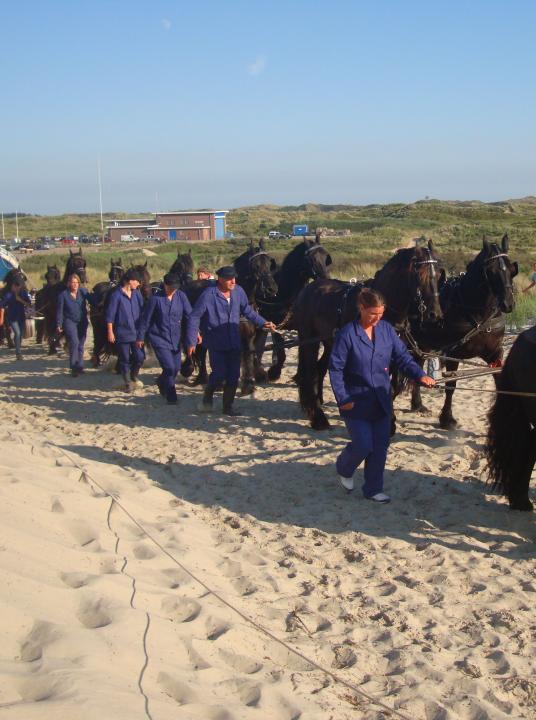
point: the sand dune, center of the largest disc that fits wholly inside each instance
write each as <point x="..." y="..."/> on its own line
<point x="426" y="604"/>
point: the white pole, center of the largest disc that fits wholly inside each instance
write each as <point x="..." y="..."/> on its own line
<point x="100" y="198"/>
<point x="17" y="223"/>
<point x="3" y="230"/>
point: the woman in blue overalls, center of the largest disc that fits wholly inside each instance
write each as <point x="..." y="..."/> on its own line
<point x="12" y="311"/>
<point x="122" y="316"/>
<point x="161" y="324"/>
<point x="71" y="319"/>
<point x="359" y="374"/>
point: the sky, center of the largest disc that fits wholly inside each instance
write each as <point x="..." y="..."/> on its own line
<point x="225" y="103"/>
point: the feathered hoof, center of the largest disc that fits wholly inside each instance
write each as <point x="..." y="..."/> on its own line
<point x="199" y="380"/>
<point x="247" y="389"/>
<point x="523" y="504"/>
<point x="448" y="423"/>
<point x="320" y="422"/>
<point x="274" y="374"/>
<point x="421" y="409"/>
<point x="261" y="377"/>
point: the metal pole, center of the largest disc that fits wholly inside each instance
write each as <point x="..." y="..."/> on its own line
<point x="3" y="230"/>
<point x="100" y="197"/>
<point x="17" y="223"/>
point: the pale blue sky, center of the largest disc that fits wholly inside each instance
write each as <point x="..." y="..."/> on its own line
<point x="234" y="102"/>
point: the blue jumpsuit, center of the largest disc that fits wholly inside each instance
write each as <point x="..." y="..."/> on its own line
<point x="161" y="324"/>
<point x="71" y="315"/>
<point x="219" y="320"/>
<point x="14" y="315"/>
<point x="124" y="313"/>
<point x="359" y="373"/>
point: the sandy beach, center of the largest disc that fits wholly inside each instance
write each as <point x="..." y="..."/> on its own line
<point x="426" y="604"/>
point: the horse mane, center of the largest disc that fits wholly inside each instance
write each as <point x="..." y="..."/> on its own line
<point x="293" y="258"/>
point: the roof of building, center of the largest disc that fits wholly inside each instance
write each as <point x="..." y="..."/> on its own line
<point x="191" y="212"/>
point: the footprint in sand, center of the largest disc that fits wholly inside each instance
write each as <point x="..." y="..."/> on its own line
<point x="41" y="634"/>
<point x="175" y="577"/>
<point x="56" y="506"/>
<point x="248" y="693"/>
<point x="180" y="609"/>
<point x="85" y="535"/>
<point x="176" y="689"/>
<point x="38" y="688"/>
<point x="231" y="568"/>
<point x="144" y="552"/>
<point x="215" y="627"/>
<point x="76" y="579"/>
<point x="241" y="663"/>
<point x="243" y="586"/>
<point x="93" y="613"/>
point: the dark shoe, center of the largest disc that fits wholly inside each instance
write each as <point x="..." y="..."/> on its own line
<point x="75" y="372"/>
<point x="159" y="385"/>
<point x="171" y="397"/>
<point x="208" y="396"/>
<point x="229" y="392"/>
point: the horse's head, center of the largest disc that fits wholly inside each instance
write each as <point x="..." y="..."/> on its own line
<point x="116" y="271"/>
<point x="424" y="281"/>
<point x="52" y="275"/>
<point x="145" y="285"/>
<point x="255" y="270"/>
<point x="499" y="271"/>
<point x="316" y="259"/>
<point x="76" y="264"/>
<point x="183" y="267"/>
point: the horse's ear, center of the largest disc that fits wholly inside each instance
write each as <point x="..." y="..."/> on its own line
<point x="486" y="244"/>
<point x="515" y="269"/>
<point x="190" y="252"/>
<point x="442" y="277"/>
<point x="505" y="243"/>
<point x="145" y="263"/>
<point x="329" y="261"/>
<point x="273" y="265"/>
<point x="430" y="245"/>
<point x="261" y="243"/>
<point x="70" y="252"/>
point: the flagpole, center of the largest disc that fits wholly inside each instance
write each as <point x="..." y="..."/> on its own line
<point x="17" y="224"/>
<point x="100" y="197"/>
<point x="3" y="230"/>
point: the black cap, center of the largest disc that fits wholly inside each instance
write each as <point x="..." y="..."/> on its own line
<point x="172" y="280"/>
<point x="133" y="275"/>
<point x="227" y="272"/>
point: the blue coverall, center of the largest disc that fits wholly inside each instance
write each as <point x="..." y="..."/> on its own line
<point x="359" y="373"/>
<point x="71" y="315"/>
<point x="124" y="313"/>
<point x="219" y="320"/>
<point x="161" y="324"/>
<point x="14" y="316"/>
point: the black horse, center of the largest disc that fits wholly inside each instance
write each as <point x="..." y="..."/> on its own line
<point x="100" y="293"/>
<point x="324" y="306"/>
<point x="183" y="267"/>
<point x="43" y="329"/>
<point x="255" y="270"/>
<point x="76" y="264"/>
<point x="511" y="440"/>
<point x="309" y="260"/>
<point x="13" y="276"/>
<point x="473" y="325"/>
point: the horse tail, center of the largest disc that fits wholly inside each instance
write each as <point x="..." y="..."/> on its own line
<point x="509" y="436"/>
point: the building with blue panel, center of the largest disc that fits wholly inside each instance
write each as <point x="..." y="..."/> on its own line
<point x="183" y="225"/>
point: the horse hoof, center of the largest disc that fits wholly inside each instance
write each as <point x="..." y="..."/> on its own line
<point x="320" y="422"/>
<point x="274" y="374"/>
<point x="523" y="504"/>
<point x="246" y="390"/>
<point x="421" y="409"/>
<point x="199" y="380"/>
<point x="448" y="423"/>
<point x="261" y="377"/>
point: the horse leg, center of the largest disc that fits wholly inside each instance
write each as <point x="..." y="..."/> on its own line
<point x="261" y="376"/>
<point x="39" y="331"/>
<point x="417" y="404"/>
<point x="446" y="419"/>
<point x="519" y="489"/>
<point x="247" y="385"/>
<point x="274" y="373"/>
<point x="322" y="370"/>
<point x="308" y="385"/>
<point x="201" y="362"/>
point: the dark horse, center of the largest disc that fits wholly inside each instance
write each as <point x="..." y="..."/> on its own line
<point x="255" y="270"/>
<point x="309" y="260"/>
<point x="76" y="263"/>
<point x="183" y="267"/>
<point x="100" y="293"/>
<point x="15" y="275"/>
<point x="324" y="306"/>
<point x="511" y="441"/>
<point x="52" y="278"/>
<point x="473" y="323"/>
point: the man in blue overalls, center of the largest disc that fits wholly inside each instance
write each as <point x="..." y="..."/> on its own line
<point x="161" y="323"/>
<point x="217" y="313"/>
<point x="122" y="316"/>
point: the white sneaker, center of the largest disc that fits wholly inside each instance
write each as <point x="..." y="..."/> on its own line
<point x="346" y="483"/>
<point x="380" y="498"/>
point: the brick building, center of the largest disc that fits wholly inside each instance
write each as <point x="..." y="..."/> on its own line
<point x="186" y="226"/>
